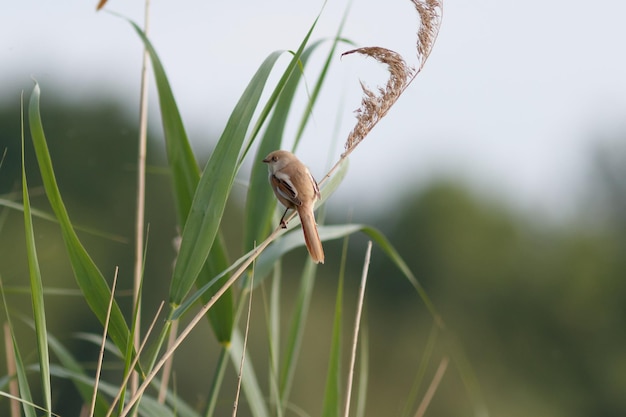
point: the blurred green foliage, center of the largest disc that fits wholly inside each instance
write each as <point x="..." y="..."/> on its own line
<point x="540" y="308"/>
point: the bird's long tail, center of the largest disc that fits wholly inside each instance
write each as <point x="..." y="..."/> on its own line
<point x="311" y="237"/>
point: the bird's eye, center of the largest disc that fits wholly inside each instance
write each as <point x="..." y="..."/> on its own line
<point x="274" y="158"/>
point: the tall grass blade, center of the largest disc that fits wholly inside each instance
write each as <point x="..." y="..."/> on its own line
<point x="332" y="395"/>
<point x="36" y="291"/>
<point x="185" y="179"/>
<point x="214" y="187"/>
<point x="91" y="282"/>
<point x="221" y="316"/>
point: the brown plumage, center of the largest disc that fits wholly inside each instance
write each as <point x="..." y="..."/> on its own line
<point x="295" y="188"/>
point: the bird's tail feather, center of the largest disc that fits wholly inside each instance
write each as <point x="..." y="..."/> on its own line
<point x="311" y="237"/>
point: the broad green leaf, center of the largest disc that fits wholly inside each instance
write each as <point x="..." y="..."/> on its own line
<point x="185" y="179"/>
<point x="219" y="173"/>
<point x="179" y="311"/>
<point x="214" y="187"/>
<point x="91" y="282"/>
<point x="36" y="292"/>
<point x="221" y="315"/>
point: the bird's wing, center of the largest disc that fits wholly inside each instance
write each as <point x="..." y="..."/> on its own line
<point x="284" y="187"/>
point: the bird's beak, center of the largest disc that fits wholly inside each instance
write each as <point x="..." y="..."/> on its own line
<point x="266" y="160"/>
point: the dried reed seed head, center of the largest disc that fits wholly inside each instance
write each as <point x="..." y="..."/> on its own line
<point x="430" y="12"/>
<point x="375" y="106"/>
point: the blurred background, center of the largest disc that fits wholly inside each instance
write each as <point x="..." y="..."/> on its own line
<point x="499" y="176"/>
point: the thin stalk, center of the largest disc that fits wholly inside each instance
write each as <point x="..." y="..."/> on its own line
<point x="243" y="351"/>
<point x="141" y="193"/>
<point x="167" y="369"/>
<point x="14" y="389"/>
<point x="104" y="339"/>
<point x="441" y="370"/>
<point x="357" y="325"/>
<point x="134" y="363"/>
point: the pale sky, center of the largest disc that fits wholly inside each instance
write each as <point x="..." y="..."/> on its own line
<point x="510" y="100"/>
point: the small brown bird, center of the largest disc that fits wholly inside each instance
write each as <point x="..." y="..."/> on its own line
<point x="295" y="188"/>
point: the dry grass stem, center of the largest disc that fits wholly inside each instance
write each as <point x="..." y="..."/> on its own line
<point x="141" y="191"/>
<point x="357" y="326"/>
<point x="104" y="339"/>
<point x="375" y="105"/>
<point x="430" y="393"/>
<point x="243" y="350"/>
<point x="134" y="362"/>
<point x="167" y="369"/>
<point x="14" y="389"/>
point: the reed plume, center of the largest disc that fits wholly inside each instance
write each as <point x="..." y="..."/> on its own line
<point x="376" y="104"/>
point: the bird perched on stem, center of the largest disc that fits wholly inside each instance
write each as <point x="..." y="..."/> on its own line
<point x="295" y="188"/>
